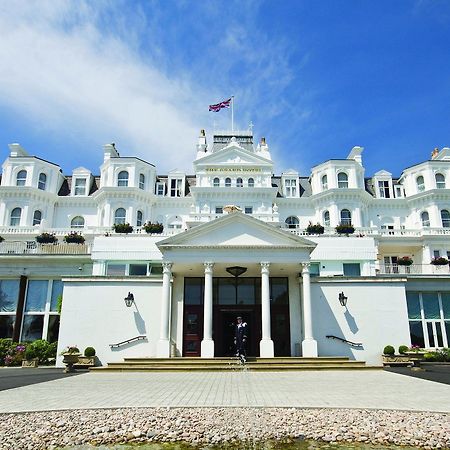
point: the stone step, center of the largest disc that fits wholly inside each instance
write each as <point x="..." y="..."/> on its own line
<point x="197" y="360"/>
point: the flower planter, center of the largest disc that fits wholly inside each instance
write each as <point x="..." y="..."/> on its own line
<point x="396" y="360"/>
<point x="86" y="361"/>
<point x="30" y="362"/>
<point x="69" y="359"/>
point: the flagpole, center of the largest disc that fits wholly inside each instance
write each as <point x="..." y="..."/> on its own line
<point x="232" y="113"/>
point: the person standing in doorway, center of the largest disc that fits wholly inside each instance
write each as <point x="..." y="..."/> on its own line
<point x="240" y="339"/>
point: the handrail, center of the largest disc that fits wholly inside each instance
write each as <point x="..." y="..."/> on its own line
<point x="119" y="344"/>
<point x="352" y="344"/>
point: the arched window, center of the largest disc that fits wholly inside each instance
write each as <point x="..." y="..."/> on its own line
<point x="139" y="216"/>
<point x="142" y="181"/>
<point x="42" y="181"/>
<point x="440" y="181"/>
<point x="16" y="213"/>
<point x="445" y="217"/>
<point x="324" y="183"/>
<point x="292" y="222"/>
<point x="37" y="217"/>
<point x="21" y="178"/>
<point x="425" y="219"/>
<point x="239" y="182"/>
<point x="346" y="217"/>
<point x="251" y="182"/>
<point x="326" y="218"/>
<point x="216" y="182"/>
<point x="420" y="183"/>
<point x="120" y="216"/>
<point x="122" y="178"/>
<point x="77" y="222"/>
<point x="227" y="182"/>
<point x="342" y="180"/>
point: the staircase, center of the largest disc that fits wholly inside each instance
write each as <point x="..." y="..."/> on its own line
<point x="230" y="364"/>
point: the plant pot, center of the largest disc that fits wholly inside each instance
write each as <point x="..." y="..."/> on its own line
<point x="69" y="359"/>
<point x="30" y="362"/>
<point x="86" y="361"/>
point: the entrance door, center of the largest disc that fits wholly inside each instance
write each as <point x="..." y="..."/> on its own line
<point x="193" y="330"/>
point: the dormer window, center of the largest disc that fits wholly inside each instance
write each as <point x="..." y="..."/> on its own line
<point x="80" y="186"/>
<point x="42" y="181"/>
<point x="239" y="182"/>
<point x="420" y="182"/>
<point x="425" y="218"/>
<point x="142" y="181"/>
<point x="160" y="189"/>
<point x="251" y="182"/>
<point x="342" y="180"/>
<point x="290" y="186"/>
<point x="37" y="217"/>
<point x="440" y="181"/>
<point x="324" y="181"/>
<point x="175" y="187"/>
<point x="216" y="182"/>
<point x="21" y="178"/>
<point x="227" y="182"/>
<point x="398" y="191"/>
<point x="122" y="178"/>
<point x="383" y="189"/>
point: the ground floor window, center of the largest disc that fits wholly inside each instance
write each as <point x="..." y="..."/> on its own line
<point x="429" y="318"/>
<point x="9" y="296"/>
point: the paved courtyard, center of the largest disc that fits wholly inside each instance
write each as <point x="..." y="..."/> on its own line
<point x="332" y="389"/>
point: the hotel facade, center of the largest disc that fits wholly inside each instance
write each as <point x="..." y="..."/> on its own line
<point x="235" y="241"/>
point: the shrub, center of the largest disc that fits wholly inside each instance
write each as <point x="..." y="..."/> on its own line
<point x="403" y="349"/>
<point x="70" y="349"/>
<point x="345" y="229"/>
<point x="14" y="354"/>
<point x="74" y="238"/>
<point x="2" y="239"/>
<point x="42" y="349"/>
<point x="30" y="353"/>
<point x="155" y="228"/>
<point x="440" y="261"/>
<point x="46" y="238"/>
<point x="389" y="350"/>
<point x="404" y="261"/>
<point x="122" y="228"/>
<point x="89" y="352"/>
<point x="315" y="229"/>
<point x="59" y="301"/>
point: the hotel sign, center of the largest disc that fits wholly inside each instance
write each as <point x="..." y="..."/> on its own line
<point x="232" y="169"/>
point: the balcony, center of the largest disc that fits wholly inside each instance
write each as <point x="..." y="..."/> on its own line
<point x="34" y="248"/>
<point x="413" y="269"/>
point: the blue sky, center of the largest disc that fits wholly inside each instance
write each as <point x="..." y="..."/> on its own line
<point x="314" y="77"/>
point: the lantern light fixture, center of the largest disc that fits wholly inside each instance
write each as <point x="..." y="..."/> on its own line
<point x="343" y="299"/>
<point x="129" y="299"/>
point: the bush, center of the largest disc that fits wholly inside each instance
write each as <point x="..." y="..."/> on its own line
<point x="315" y="229"/>
<point x="403" y="349"/>
<point x="155" y="228"/>
<point x="30" y="353"/>
<point x="74" y="238"/>
<point x="442" y="355"/>
<point x="41" y="349"/>
<point x="14" y="354"/>
<point x="122" y="228"/>
<point x="89" y="352"/>
<point x="389" y="350"/>
<point x="345" y="229"/>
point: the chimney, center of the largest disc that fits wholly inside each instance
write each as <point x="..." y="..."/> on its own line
<point x="434" y="153"/>
<point x="110" y="151"/>
<point x="17" y="150"/>
<point x="201" y="146"/>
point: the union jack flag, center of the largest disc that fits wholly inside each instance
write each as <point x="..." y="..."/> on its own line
<point x="218" y="106"/>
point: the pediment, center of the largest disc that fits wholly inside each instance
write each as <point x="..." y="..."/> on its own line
<point x="383" y="173"/>
<point x="230" y="155"/>
<point x="236" y="230"/>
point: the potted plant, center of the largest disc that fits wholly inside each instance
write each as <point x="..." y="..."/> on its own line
<point x="153" y="228"/>
<point x="439" y="261"/>
<point x="31" y="357"/>
<point x="345" y="229"/>
<point x="391" y="359"/>
<point x="74" y="238"/>
<point x="70" y="357"/>
<point x="46" y="238"/>
<point x="315" y="229"/>
<point x="88" y="359"/>
<point x="404" y="261"/>
<point x="2" y="239"/>
<point x="124" y="228"/>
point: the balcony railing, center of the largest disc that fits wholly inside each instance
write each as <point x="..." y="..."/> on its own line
<point x="34" y="248"/>
<point x="413" y="269"/>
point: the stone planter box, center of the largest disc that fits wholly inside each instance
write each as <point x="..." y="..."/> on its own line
<point x="396" y="360"/>
<point x="30" y="362"/>
<point x="86" y="361"/>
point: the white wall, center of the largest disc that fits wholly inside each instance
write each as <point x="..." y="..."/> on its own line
<point x="94" y="314"/>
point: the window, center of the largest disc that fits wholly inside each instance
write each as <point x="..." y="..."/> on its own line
<point x="248" y="210"/>
<point x="80" y="186"/>
<point x="227" y="182"/>
<point x="326" y="218"/>
<point x="420" y="183"/>
<point x="42" y="181"/>
<point x="160" y="189"/>
<point x="314" y="269"/>
<point x="436" y="254"/>
<point x="324" y="183"/>
<point x="292" y="222"/>
<point x="139" y="216"/>
<point x="425" y="219"/>
<point x="137" y="269"/>
<point x="251" y="182"/>
<point x="9" y="295"/>
<point x="142" y="181"/>
<point x="440" y="181"/>
<point x="120" y="215"/>
<point x="16" y="213"/>
<point x="122" y="178"/>
<point x="398" y="192"/>
<point x="346" y="217"/>
<point x="21" y="178"/>
<point x="77" y="222"/>
<point x="445" y="217"/>
<point x="290" y="185"/>
<point x="116" y="270"/>
<point x="175" y="187"/>
<point x="37" y="217"/>
<point x="219" y="210"/>
<point x="176" y="223"/>
<point x="383" y="189"/>
<point x="342" y="180"/>
<point x="352" y="269"/>
<point x="216" y="182"/>
<point x="239" y="182"/>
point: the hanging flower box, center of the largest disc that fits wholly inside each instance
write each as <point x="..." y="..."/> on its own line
<point x="74" y="238"/>
<point x="124" y="228"/>
<point x="153" y="228"/>
<point x="46" y="238"/>
<point x="315" y="229"/>
<point x="404" y="261"/>
<point x="440" y="261"/>
<point x="345" y="229"/>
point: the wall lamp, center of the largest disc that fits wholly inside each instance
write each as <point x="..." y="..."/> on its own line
<point x="342" y="299"/>
<point x="129" y="299"/>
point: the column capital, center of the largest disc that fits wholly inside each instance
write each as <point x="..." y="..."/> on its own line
<point x="265" y="267"/>
<point x="208" y="266"/>
<point x="167" y="267"/>
<point x="305" y="267"/>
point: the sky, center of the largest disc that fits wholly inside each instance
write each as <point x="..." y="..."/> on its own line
<point x="315" y="77"/>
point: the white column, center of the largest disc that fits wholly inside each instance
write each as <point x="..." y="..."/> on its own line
<point x="266" y="344"/>
<point x="309" y="345"/>
<point x="207" y="344"/>
<point x="163" y="347"/>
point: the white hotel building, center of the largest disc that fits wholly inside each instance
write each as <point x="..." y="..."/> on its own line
<point x="185" y="293"/>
